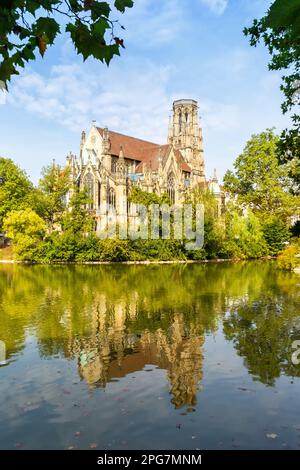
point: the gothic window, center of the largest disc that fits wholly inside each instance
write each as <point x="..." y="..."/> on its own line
<point x="186" y="117"/>
<point x="180" y="121"/>
<point x="128" y="166"/>
<point x="114" y="164"/>
<point x="171" y="187"/>
<point x="111" y="198"/>
<point x="89" y="185"/>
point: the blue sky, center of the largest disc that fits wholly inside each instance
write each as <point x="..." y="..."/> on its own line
<point x="174" y="49"/>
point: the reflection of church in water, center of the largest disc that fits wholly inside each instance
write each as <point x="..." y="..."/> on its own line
<point x="110" y="164"/>
<point x="111" y="352"/>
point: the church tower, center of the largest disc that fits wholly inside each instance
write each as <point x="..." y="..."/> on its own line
<point x="185" y="134"/>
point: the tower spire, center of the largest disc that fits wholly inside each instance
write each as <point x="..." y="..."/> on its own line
<point x="187" y="135"/>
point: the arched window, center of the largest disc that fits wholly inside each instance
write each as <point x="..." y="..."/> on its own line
<point x="89" y="186"/>
<point x="180" y="121"/>
<point x="186" y="117"/>
<point x="111" y="198"/>
<point x="114" y="161"/>
<point x="171" y="187"/>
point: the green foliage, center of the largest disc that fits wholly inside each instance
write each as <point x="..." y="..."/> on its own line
<point x="15" y="188"/>
<point x="290" y="257"/>
<point x="244" y="236"/>
<point x="53" y="231"/>
<point x="279" y="29"/>
<point x="54" y="186"/>
<point x="26" y="229"/>
<point x="276" y="234"/>
<point x="259" y="181"/>
<point x="30" y="26"/>
<point x="76" y="219"/>
<point x="138" y="196"/>
<point x="114" y="250"/>
<point x="162" y="250"/>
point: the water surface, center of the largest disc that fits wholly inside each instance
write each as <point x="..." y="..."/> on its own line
<point x="149" y="357"/>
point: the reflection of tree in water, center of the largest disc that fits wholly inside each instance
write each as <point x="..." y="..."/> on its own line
<point x="263" y="331"/>
<point x="114" y="320"/>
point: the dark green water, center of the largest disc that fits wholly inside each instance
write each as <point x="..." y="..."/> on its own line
<point x="172" y="357"/>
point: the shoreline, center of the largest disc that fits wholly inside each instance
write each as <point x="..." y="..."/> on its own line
<point x="144" y="262"/>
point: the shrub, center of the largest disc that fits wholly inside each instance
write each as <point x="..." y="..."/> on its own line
<point x="288" y="258"/>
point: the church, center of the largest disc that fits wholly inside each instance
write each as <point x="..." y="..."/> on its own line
<point x="110" y="164"/>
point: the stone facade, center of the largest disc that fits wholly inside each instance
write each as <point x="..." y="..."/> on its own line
<point x="110" y="164"/>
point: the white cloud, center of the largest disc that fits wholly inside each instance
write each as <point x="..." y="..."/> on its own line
<point x="131" y="99"/>
<point x="216" y="6"/>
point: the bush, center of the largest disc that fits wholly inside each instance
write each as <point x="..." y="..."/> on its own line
<point x="162" y="250"/>
<point x="114" y="250"/>
<point x="288" y="259"/>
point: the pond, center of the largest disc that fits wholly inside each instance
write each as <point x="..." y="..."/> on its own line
<point x="149" y="357"/>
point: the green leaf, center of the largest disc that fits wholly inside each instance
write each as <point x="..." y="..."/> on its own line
<point x="7" y="69"/>
<point x="110" y="51"/>
<point x="31" y="6"/>
<point x="100" y="26"/>
<point x="48" y="27"/>
<point x="75" y="5"/>
<point x="27" y="53"/>
<point x="121" y="5"/>
<point x="283" y="13"/>
<point x="99" y="9"/>
<point x="81" y="38"/>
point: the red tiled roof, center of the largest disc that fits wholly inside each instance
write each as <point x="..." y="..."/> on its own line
<point x="150" y="157"/>
<point x="147" y="153"/>
<point x="131" y="145"/>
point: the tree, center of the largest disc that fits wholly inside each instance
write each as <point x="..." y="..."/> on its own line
<point x="30" y="26"/>
<point x="54" y="186"/>
<point x="259" y="182"/>
<point x="244" y="235"/>
<point x="279" y="29"/>
<point x="77" y="219"/>
<point x="26" y="229"/>
<point x="276" y="234"/>
<point x="15" y="188"/>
